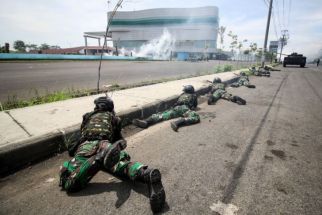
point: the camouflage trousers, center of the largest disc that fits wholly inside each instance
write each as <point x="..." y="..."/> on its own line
<point x="221" y="94"/>
<point x="83" y="167"/>
<point x="183" y="111"/>
<point x="242" y="82"/>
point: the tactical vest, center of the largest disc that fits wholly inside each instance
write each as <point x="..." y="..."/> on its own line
<point x="98" y="126"/>
<point x="188" y="99"/>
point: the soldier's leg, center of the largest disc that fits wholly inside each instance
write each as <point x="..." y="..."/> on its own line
<point x="76" y="173"/>
<point x="235" y="85"/>
<point x="247" y="84"/>
<point x="238" y="100"/>
<point x="155" y="118"/>
<point x="137" y="171"/>
<point x="235" y="99"/>
<point x="89" y="158"/>
<point x="215" y="96"/>
<point x="189" y="118"/>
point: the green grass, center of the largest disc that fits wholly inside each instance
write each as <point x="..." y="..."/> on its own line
<point x="15" y="102"/>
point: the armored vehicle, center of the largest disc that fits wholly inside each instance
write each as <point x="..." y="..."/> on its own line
<point x="295" y="59"/>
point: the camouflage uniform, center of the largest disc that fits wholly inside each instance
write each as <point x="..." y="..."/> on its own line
<point x="243" y="81"/>
<point x="99" y="130"/>
<point x="183" y="108"/>
<point x="218" y="90"/>
<point x="260" y="72"/>
<point x="101" y="147"/>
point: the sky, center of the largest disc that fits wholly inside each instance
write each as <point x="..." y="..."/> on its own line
<point x="62" y="22"/>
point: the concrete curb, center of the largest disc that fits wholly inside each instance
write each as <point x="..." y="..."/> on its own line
<point x="17" y="155"/>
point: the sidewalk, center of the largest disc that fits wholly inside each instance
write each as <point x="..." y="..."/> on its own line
<point x="31" y="133"/>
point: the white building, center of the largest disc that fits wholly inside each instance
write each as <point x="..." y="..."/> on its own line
<point x="194" y="29"/>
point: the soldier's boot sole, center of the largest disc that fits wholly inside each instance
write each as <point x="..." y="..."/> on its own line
<point x="251" y="86"/>
<point x="210" y="101"/>
<point x="174" y="126"/>
<point x="140" y="123"/>
<point x="241" y="101"/>
<point x="156" y="191"/>
<point x="113" y="154"/>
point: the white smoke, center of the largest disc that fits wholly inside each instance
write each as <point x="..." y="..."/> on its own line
<point x="158" y="49"/>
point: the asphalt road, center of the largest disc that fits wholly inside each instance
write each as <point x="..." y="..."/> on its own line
<point x="25" y="80"/>
<point x="261" y="158"/>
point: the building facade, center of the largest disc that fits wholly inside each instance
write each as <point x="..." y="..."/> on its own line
<point x="193" y="30"/>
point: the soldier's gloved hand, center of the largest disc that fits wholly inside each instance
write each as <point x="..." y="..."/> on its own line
<point x="122" y="143"/>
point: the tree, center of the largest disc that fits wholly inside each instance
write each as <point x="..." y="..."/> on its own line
<point x="234" y="39"/>
<point x="221" y="33"/>
<point x="44" y="46"/>
<point x="32" y="46"/>
<point x="253" y="48"/>
<point x="19" y="45"/>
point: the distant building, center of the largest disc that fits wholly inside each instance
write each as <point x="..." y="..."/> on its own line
<point x="194" y="29"/>
<point x="273" y="46"/>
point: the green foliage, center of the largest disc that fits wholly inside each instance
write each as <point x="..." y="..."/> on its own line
<point x="32" y="46"/>
<point x="228" y="68"/>
<point x="19" y="45"/>
<point x="218" y="69"/>
<point x="44" y="46"/>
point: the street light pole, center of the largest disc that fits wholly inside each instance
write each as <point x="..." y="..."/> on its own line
<point x="267" y="30"/>
<point x="283" y="41"/>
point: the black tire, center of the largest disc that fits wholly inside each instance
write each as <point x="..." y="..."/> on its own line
<point x="284" y="64"/>
<point x="302" y="65"/>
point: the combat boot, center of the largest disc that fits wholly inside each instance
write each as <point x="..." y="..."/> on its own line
<point x="152" y="177"/>
<point x="251" y="86"/>
<point x="110" y="155"/>
<point x="210" y="100"/>
<point x="238" y="100"/>
<point x="63" y="176"/>
<point x="143" y="123"/>
<point x="178" y="123"/>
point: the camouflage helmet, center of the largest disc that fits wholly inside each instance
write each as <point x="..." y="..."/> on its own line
<point x="216" y="80"/>
<point x="188" y="89"/>
<point x="104" y="103"/>
<point x="242" y="73"/>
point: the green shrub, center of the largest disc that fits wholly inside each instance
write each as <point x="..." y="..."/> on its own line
<point x="228" y="68"/>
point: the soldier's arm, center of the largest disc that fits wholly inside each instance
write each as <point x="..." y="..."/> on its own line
<point x="195" y="102"/>
<point x="85" y="118"/>
<point x="117" y="128"/>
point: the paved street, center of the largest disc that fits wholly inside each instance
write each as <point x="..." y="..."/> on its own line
<point x="24" y="79"/>
<point x="262" y="158"/>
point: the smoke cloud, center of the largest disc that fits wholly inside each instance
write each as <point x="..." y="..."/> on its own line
<point x="158" y="49"/>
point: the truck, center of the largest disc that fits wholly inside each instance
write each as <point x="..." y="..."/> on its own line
<point x="294" y="59"/>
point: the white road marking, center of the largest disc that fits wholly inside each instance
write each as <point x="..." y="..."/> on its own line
<point x="49" y="180"/>
<point x="224" y="209"/>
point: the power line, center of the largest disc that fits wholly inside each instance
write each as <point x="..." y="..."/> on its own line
<point x="289" y="13"/>
<point x="278" y="15"/>
<point x="274" y="22"/>
<point x="283" y="13"/>
<point x="274" y="19"/>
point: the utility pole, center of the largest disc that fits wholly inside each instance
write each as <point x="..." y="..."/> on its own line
<point x="283" y="41"/>
<point x="267" y="30"/>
